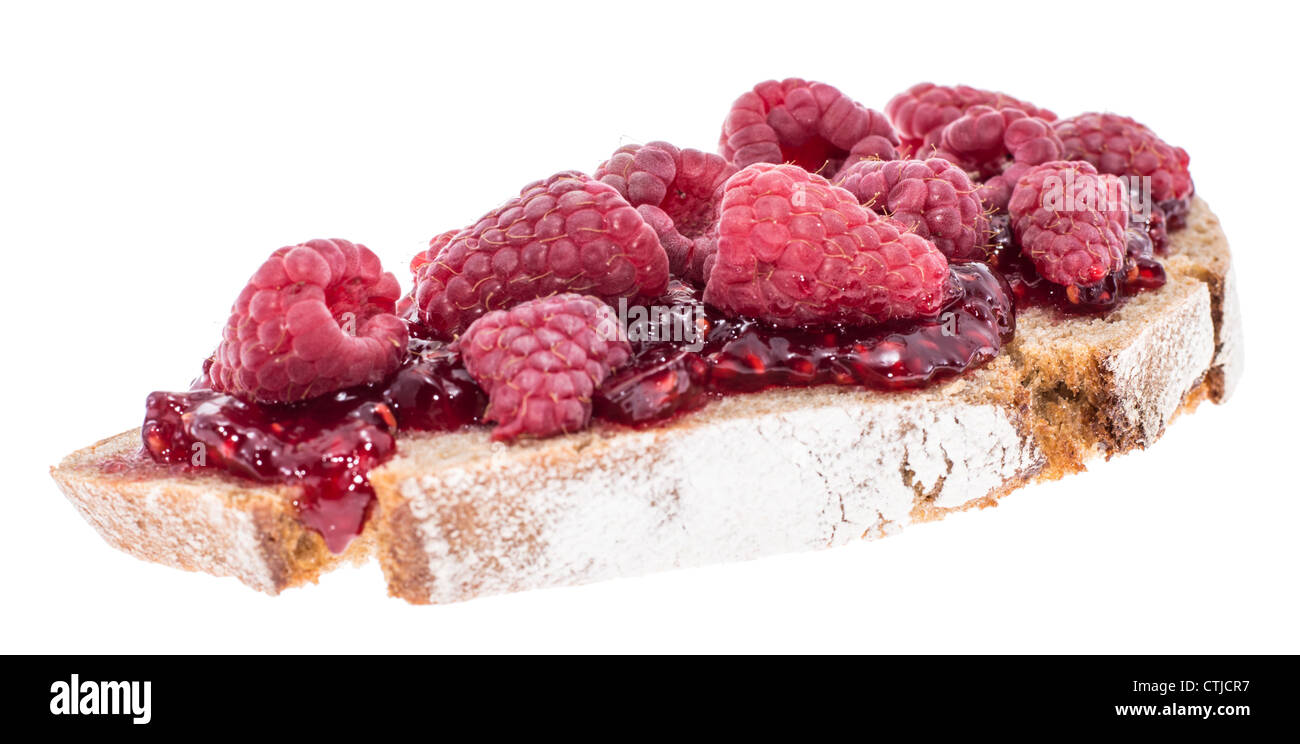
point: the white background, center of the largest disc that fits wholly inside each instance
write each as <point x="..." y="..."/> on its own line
<point x="153" y="155"/>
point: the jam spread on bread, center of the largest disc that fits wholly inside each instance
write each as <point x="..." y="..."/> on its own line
<point x="741" y="355"/>
<point x="795" y="282"/>
<point x="327" y="445"/>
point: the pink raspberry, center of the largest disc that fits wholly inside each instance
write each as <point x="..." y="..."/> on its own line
<point x="316" y="317"/>
<point x="680" y="249"/>
<point x="541" y="361"/>
<point x="997" y="146"/>
<point x="984" y="138"/>
<point x="704" y="256"/>
<point x="925" y="108"/>
<point x="568" y="233"/>
<point x="936" y="198"/>
<point x="419" y="264"/>
<point x="812" y="125"/>
<point x="678" y="193"/>
<point x="689" y="258"/>
<point x="424" y="258"/>
<point x="1121" y="146"/>
<point x="794" y="250"/>
<point x="685" y="184"/>
<point x="1071" y="222"/>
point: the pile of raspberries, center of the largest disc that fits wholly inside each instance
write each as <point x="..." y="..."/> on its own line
<point x="815" y="210"/>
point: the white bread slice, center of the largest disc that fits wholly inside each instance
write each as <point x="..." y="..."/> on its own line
<point x="747" y="476"/>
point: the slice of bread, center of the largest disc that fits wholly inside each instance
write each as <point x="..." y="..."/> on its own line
<point x="746" y="476"/>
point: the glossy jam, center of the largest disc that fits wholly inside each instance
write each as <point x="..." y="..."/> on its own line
<point x="327" y="445"/>
<point x="1175" y="212"/>
<point x="742" y="355"/>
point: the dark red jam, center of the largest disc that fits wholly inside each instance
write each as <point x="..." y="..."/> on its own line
<point x="1174" y="212"/>
<point x="739" y="355"/>
<point x="326" y="445"/>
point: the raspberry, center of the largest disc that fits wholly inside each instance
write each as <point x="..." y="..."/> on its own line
<point x="1071" y="222"/>
<point x="424" y="258"/>
<point x="812" y="125"/>
<point x="794" y="250"/>
<point x="998" y="146"/>
<point x="925" y="108"/>
<point x="934" y="197"/>
<point x="680" y="249"/>
<point x="567" y="233"/>
<point x="316" y="317"/>
<point x="541" y="361"/>
<point x="677" y="192"/>
<point x="704" y="257"/>
<point x="1121" y="146"/>
<point x="685" y="184"/>
<point x="983" y="138"/>
<point x="687" y="258"/>
<point x="406" y="305"/>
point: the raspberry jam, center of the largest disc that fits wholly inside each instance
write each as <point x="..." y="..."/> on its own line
<point x="326" y="445"/>
<point x="742" y="355"/>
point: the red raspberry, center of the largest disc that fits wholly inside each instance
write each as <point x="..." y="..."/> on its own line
<point x="925" y="108"/>
<point x="1071" y="222"/>
<point x="795" y="250"/>
<point x="1119" y="145"/>
<point x="424" y="258"/>
<point x="680" y="249"/>
<point x="677" y="192"/>
<point x="982" y="139"/>
<point x="997" y="146"/>
<point x="541" y="361"/>
<point x="934" y="197"/>
<point x="315" y="318"/>
<point x="812" y="125"/>
<point x="685" y="184"/>
<point x="406" y="305"/>
<point x="687" y="258"/>
<point x="566" y="233"/>
<point x="704" y="257"/>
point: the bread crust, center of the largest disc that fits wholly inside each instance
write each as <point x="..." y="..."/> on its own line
<point x="198" y="521"/>
<point x="791" y="469"/>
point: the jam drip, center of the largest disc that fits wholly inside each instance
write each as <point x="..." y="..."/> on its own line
<point x="326" y="445"/>
<point x="744" y="355"/>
